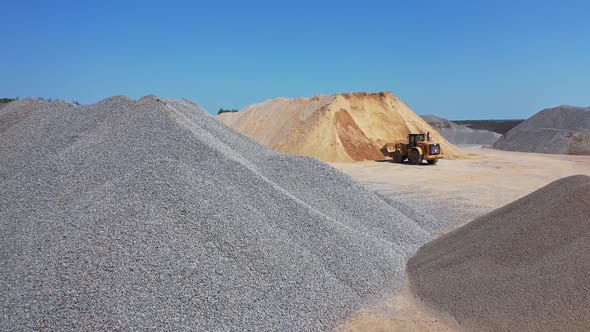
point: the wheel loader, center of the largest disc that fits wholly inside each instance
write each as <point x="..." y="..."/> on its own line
<point x="419" y="147"/>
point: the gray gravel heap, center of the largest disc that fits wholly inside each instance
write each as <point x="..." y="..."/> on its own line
<point x="459" y="134"/>
<point x="151" y="215"/>
<point x="559" y="130"/>
<point x="523" y="267"/>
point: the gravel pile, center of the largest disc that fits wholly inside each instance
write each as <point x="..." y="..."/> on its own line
<point x="459" y="134"/>
<point x="500" y="126"/>
<point x="150" y="214"/>
<point x="559" y="130"/>
<point x="523" y="267"/>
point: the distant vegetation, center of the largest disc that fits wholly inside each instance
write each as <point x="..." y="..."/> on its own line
<point x="221" y="110"/>
<point x="75" y="102"/>
<point x="6" y="100"/>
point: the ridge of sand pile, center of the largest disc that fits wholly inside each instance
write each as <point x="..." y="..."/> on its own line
<point x="524" y="266"/>
<point x="338" y="128"/>
<point x="460" y="134"/>
<point x="150" y="214"/>
<point x="559" y="130"/>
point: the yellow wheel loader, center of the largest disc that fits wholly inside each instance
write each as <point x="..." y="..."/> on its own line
<point x="419" y="147"/>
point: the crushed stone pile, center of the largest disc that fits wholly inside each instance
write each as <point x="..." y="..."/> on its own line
<point x="559" y="130"/>
<point x="460" y="134"/>
<point x="337" y="128"/>
<point x="150" y="214"/>
<point x="500" y="126"/>
<point x="523" y="267"/>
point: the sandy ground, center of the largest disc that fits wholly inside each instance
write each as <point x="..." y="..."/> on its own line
<point x="402" y="312"/>
<point x="457" y="191"/>
<point x="471" y="187"/>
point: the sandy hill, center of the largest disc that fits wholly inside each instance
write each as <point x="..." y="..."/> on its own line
<point x="460" y="134"/>
<point x="151" y="215"/>
<point x="523" y="267"/>
<point x="337" y="128"/>
<point x="559" y="130"/>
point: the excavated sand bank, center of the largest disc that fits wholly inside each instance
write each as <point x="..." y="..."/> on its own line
<point x="338" y="128"/>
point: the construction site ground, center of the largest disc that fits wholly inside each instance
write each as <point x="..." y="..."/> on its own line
<point x="454" y="192"/>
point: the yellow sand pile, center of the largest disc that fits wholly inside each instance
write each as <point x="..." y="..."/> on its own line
<point x="337" y="128"/>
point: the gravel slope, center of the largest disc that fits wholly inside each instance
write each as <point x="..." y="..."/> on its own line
<point x="560" y="130"/>
<point x="150" y="214"/>
<point x="497" y="126"/>
<point x="523" y="267"/>
<point x="459" y="134"/>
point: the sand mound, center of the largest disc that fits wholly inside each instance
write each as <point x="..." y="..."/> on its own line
<point x="559" y="130"/>
<point x="150" y="214"/>
<point x="524" y="266"/>
<point x="459" y="134"/>
<point x="338" y="128"/>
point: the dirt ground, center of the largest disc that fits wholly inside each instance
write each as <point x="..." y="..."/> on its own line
<point x="486" y="181"/>
<point x="465" y="189"/>
<point x="401" y="313"/>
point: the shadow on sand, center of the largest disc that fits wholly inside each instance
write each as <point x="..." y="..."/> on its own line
<point x="405" y="163"/>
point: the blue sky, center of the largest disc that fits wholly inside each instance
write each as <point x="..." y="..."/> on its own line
<point x="457" y="59"/>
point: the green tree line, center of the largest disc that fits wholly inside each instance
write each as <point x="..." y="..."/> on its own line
<point x="6" y="100"/>
<point x="221" y="110"/>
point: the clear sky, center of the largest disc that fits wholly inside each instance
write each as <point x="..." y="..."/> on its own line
<point x="456" y="59"/>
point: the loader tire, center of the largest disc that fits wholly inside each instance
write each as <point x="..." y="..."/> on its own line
<point x="415" y="158"/>
<point x="397" y="157"/>
<point x="432" y="162"/>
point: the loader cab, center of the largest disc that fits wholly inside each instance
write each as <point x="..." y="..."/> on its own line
<point x="415" y="138"/>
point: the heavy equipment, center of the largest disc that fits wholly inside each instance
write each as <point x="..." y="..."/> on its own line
<point x="419" y="147"/>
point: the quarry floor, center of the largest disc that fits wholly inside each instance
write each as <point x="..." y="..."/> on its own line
<point x="455" y="192"/>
